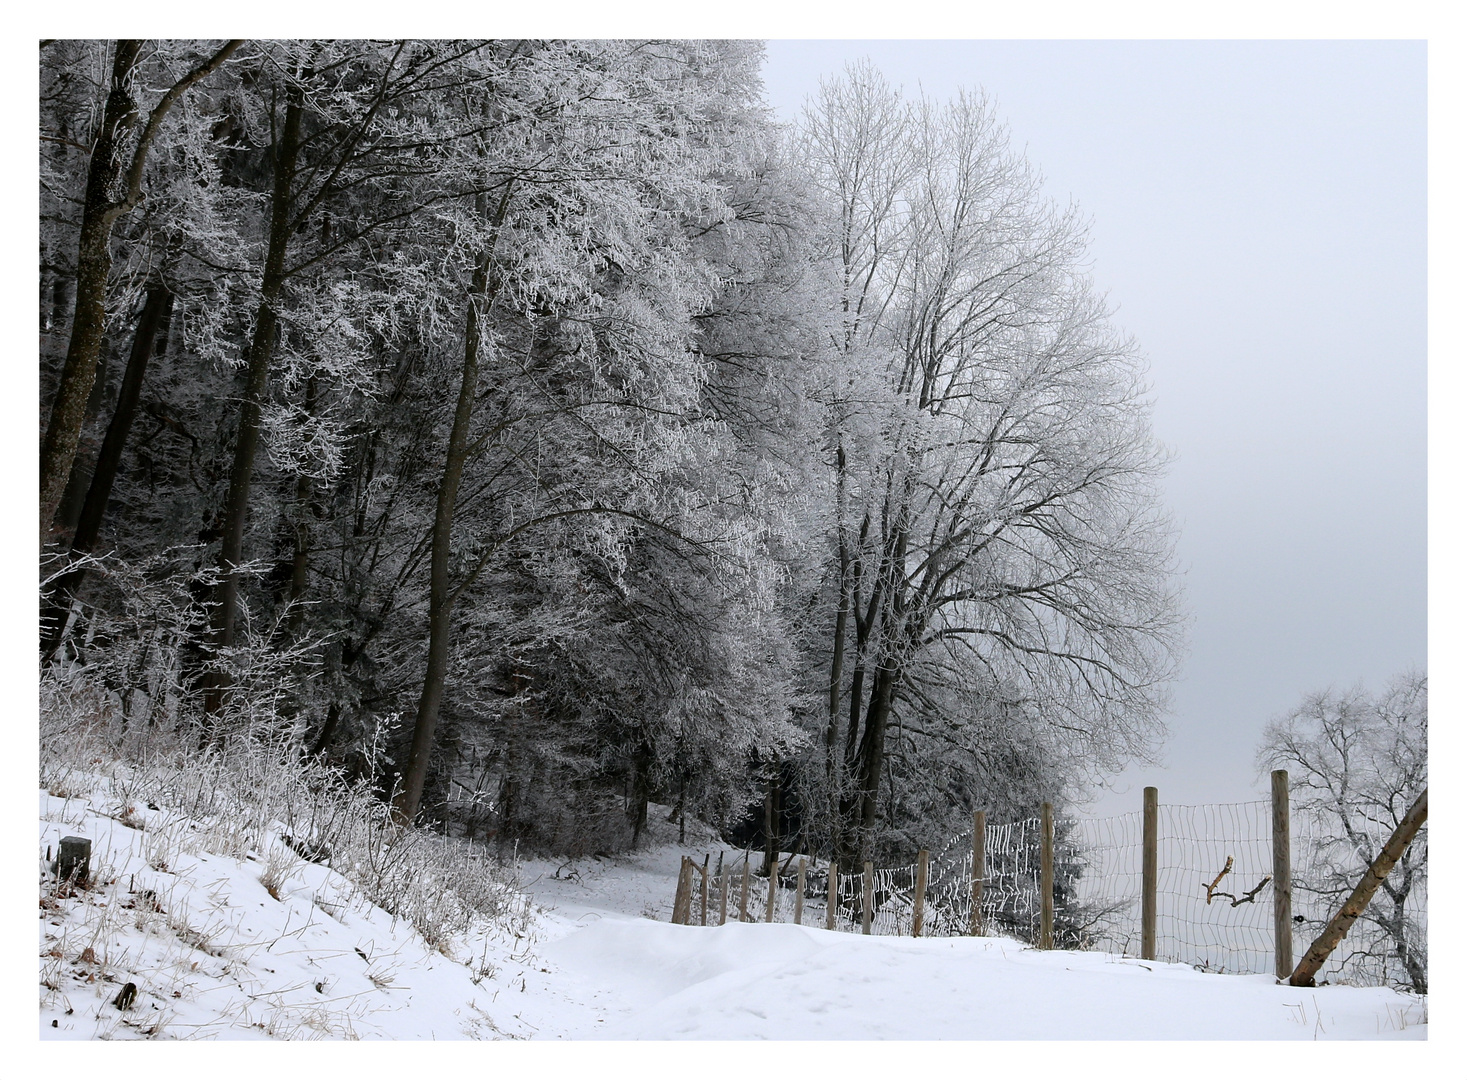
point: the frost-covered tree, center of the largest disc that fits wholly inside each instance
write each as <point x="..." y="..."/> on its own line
<point x="1356" y="762"/>
<point x="118" y="146"/>
<point x="996" y="525"/>
<point x="575" y="255"/>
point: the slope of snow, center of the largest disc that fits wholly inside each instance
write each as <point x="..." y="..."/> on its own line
<point x="215" y="954"/>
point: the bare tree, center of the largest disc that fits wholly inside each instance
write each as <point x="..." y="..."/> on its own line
<point x="996" y="504"/>
<point x="1357" y="762"/>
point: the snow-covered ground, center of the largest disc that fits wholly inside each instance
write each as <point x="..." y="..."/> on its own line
<point x="215" y="954"/>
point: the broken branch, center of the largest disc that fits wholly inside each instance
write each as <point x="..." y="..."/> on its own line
<point x="1211" y="889"/>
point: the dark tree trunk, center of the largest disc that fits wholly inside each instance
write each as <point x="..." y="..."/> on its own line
<point x="873" y="750"/>
<point x="641" y="791"/>
<point x="300" y="556"/>
<point x="154" y="316"/>
<point x="262" y="348"/>
<point x="440" y="594"/>
<point x="328" y="729"/>
<point x="842" y="614"/>
<point x="94" y="259"/>
<point x="156" y="310"/>
<point x="60" y="301"/>
<point x="68" y="513"/>
<point x="682" y="809"/>
<point x="93" y="263"/>
<point x="339" y="664"/>
<point x="769" y="849"/>
<point x="509" y="803"/>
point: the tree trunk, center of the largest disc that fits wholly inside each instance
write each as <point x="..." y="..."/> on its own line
<point x="769" y="850"/>
<point x="641" y="791"/>
<point x="440" y="596"/>
<point x="73" y="498"/>
<point x="262" y="348"/>
<point x="89" y="523"/>
<point x="93" y="263"/>
<point x="300" y="538"/>
<point x="842" y="614"/>
<point x="328" y="729"/>
<point x="873" y="749"/>
<point x="1397" y="929"/>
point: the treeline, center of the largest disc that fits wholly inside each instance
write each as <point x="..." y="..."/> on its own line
<point x="541" y="431"/>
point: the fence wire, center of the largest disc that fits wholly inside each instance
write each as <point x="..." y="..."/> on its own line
<point x="1214" y="889"/>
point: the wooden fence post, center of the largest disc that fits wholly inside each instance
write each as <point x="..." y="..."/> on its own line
<point x="744" y="895"/>
<point x="682" y="900"/>
<point x="1148" y="874"/>
<point x="866" y="892"/>
<point x="703" y="907"/>
<point x="800" y="894"/>
<point x="1283" y="889"/>
<point x="773" y="884"/>
<point x="727" y="881"/>
<point x="919" y="894"/>
<point x="1046" y="875"/>
<point x="979" y="869"/>
<point x="832" y="895"/>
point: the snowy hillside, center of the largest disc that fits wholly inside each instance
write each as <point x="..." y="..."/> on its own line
<point x="268" y="945"/>
<point x="263" y="946"/>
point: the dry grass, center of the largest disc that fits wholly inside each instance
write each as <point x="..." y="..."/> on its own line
<point x="242" y="792"/>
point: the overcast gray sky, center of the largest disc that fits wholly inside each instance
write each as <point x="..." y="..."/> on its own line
<point x="1259" y="222"/>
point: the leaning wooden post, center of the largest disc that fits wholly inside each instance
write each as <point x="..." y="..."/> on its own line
<point x="773" y="884"/>
<point x="1379" y="870"/>
<point x="832" y="895"/>
<point x="919" y="894"/>
<point x="744" y="895"/>
<point x="980" y="868"/>
<point x="1148" y="874"/>
<point x="1046" y="875"/>
<point x="1283" y="891"/>
<point x="703" y="907"/>
<point x="800" y="893"/>
<point x="866" y="894"/>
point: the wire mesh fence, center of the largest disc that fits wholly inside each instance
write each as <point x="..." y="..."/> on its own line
<point x="1214" y="893"/>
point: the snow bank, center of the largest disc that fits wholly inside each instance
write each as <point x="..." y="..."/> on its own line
<point x="756" y="981"/>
